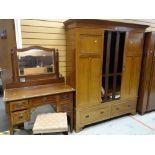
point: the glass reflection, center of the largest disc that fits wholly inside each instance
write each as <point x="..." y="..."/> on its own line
<point x="35" y="62"/>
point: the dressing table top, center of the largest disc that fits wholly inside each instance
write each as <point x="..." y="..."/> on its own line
<point x="35" y="91"/>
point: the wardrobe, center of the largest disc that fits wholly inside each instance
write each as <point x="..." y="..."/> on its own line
<point x="146" y="101"/>
<point x="103" y="65"/>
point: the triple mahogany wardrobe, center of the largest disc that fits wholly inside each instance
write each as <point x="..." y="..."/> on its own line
<point x="103" y="65"/>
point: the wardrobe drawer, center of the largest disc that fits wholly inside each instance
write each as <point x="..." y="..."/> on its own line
<point x="102" y="113"/>
<point x="86" y="117"/>
<point x="42" y="100"/>
<point x="117" y="109"/>
<point x="130" y="106"/>
<point x="19" y="105"/>
<point x="20" y="116"/>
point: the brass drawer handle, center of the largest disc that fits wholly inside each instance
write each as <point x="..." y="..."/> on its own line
<point x="66" y="107"/>
<point x="65" y="96"/>
<point x="102" y="112"/>
<point x="44" y="99"/>
<point x="20" y="116"/>
<point x="18" y="105"/>
<point x="87" y="116"/>
<point x="117" y="108"/>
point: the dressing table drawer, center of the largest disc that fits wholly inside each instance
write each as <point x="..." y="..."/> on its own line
<point x="65" y="107"/>
<point x="66" y="97"/>
<point x="42" y="100"/>
<point x="20" y="116"/>
<point x="19" y="105"/>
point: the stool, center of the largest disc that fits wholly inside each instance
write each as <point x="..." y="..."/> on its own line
<point x="51" y="123"/>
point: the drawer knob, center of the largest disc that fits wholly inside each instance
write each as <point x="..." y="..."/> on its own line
<point x="44" y="99"/>
<point x="18" y="105"/>
<point x="66" y="96"/>
<point x="87" y="116"/>
<point x="102" y="112"/>
<point x="117" y="108"/>
<point x="20" y="116"/>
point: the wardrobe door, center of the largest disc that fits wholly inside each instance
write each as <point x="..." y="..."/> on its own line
<point x="94" y="81"/>
<point x="82" y="82"/>
<point x="131" y="64"/>
<point x="88" y="65"/>
<point x="151" y="99"/>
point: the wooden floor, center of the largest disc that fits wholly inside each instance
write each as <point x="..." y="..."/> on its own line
<point x="127" y="125"/>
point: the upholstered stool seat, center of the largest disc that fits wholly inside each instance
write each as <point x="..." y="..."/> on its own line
<point x="50" y="123"/>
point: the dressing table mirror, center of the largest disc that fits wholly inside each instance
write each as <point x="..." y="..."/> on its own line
<point x="34" y="63"/>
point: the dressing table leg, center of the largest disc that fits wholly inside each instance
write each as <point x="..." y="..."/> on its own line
<point x="71" y="122"/>
<point x="11" y="131"/>
<point x="11" y="128"/>
<point x="9" y="120"/>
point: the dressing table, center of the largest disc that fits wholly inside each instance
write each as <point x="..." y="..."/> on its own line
<point x="37" y="82"/>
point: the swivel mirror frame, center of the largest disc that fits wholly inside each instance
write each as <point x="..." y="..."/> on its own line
<point x="34" y="77"/>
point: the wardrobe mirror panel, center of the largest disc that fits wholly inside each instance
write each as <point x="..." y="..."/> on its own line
<point x="112" y="64"/>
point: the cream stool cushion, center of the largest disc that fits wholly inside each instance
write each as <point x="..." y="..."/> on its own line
<point x="50" y="122"/>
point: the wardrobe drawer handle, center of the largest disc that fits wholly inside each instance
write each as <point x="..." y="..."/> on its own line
<point x="87" y="116"/>
<point x="117" y="108"/>
<point x="102" y="112"/>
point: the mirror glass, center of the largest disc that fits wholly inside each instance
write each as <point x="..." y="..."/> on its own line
<point x="35" y="62"/>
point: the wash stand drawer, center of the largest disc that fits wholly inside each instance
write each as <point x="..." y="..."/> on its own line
<point x="20" y="116"/>
<point x="19" y="105"/>
<point x="42" y="100"/>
